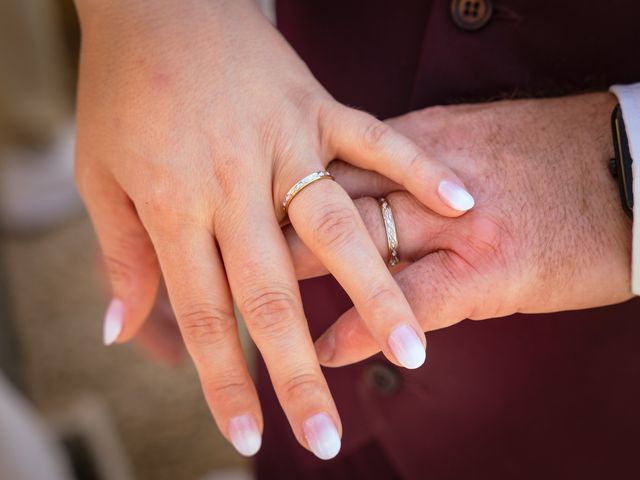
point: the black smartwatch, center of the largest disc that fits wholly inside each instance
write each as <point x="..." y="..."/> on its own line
<point x="620" y="166"/>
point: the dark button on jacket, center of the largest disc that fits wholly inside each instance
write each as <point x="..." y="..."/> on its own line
<point x="471" y="14"/>
<point x="382" y="377"/>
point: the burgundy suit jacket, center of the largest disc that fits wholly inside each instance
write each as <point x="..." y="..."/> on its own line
<point x="527" y="396"/>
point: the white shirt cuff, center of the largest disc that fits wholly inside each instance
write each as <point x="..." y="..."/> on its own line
<point x="629" y="98"/>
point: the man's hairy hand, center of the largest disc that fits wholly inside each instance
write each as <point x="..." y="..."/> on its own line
<point x="547" y="233"/>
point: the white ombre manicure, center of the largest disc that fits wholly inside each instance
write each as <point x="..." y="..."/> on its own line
<point x="322" y="436"/>
<point x="113" y="322"/>
<point x="455" y="196"/>
<point x="407" y="347"/>
<point x="244" y="435"/>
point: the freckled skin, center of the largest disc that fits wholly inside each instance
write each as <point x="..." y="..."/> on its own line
<point x="546" y="204"/>
<point x="547" y="232"/>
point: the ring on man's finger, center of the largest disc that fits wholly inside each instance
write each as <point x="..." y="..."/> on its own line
<point x="390" y="230"/>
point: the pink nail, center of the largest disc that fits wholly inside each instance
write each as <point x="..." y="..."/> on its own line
<point x="455" y="196"/>
<point x="407" y="347"/>
<point x="113" y="321"/>
<point x="244" y="435"/>
<point x="322" y="436"/>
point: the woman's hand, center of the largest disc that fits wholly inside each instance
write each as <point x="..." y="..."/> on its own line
<point x="194" y="119"/>
<point x="548" y="232"/>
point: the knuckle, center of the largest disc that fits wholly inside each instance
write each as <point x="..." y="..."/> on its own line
<point x="375" y="132"/>
<point x="381" y="298"/>
<point x="334" y="226"/>
<point x="206" y="324"/>
<point x="485" y="238"/>
<point x="225" y="390"/>
<point x="433" y="112"/>
<point x="310" y="101"/>
<point x="119" y="271"/>
<point x="225" y="172"/>
<point x="301" y="387"/>
<point x="270" y="310"/>
<point x="164" y="208"/>
<point x="159" y="196"/>
<point x="418" y="161"/>
<point x="419" y="165"/>
<point x="453" y="268"/>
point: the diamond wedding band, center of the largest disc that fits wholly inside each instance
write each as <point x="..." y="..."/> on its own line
<point x="390" y="229"/>
<point x="302" y="184"/>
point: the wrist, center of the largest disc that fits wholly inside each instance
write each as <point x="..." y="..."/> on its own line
<point x="141" y="15"/>
<point x="611" y="223"/>
<point x="629" y="98"/>
<point x="593" y="259"/>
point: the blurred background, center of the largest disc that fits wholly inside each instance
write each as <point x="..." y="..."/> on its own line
<point x="66" y="401"/>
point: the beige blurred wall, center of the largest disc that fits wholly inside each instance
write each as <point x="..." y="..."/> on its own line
<point x="35" y="73"/>
<point x="55" y="288"/>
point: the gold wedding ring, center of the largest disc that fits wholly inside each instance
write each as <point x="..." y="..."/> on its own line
<point x="390" y="229"/>
<point x="302" y="184"/>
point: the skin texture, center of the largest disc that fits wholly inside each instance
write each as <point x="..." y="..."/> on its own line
<point x="194" y="119"/>
<point x="547" y="233"/>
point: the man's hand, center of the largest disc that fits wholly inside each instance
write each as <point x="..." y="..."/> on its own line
<point x="547" y="233"/>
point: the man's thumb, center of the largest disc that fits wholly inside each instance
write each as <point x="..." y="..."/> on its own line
<point x="440" y="288"/>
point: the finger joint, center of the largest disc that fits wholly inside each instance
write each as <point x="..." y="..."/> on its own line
<point x="302" y="387"/>
<point x="119" y="271"/>
<point x="335" y="225"/>
<point x="207" y="324"/>
<point x="269" y="310"/>
<point x="381" y="299"/>
<point x="375" y="133"/>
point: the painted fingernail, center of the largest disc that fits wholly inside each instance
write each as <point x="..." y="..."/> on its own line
<point x="322" y="436"/>
<point x="326" y="346"/>
<point x="244" y="435"/>
<point x="113" y="321"/>
<point x="407" y="347"/>
<point x="455" y="196"/>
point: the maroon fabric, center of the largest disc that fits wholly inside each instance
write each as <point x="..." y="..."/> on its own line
<point x="528" y="397"/>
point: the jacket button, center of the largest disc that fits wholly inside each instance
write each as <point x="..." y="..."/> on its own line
<point x="382" y="378"/>
<point x="471" y="14"/>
